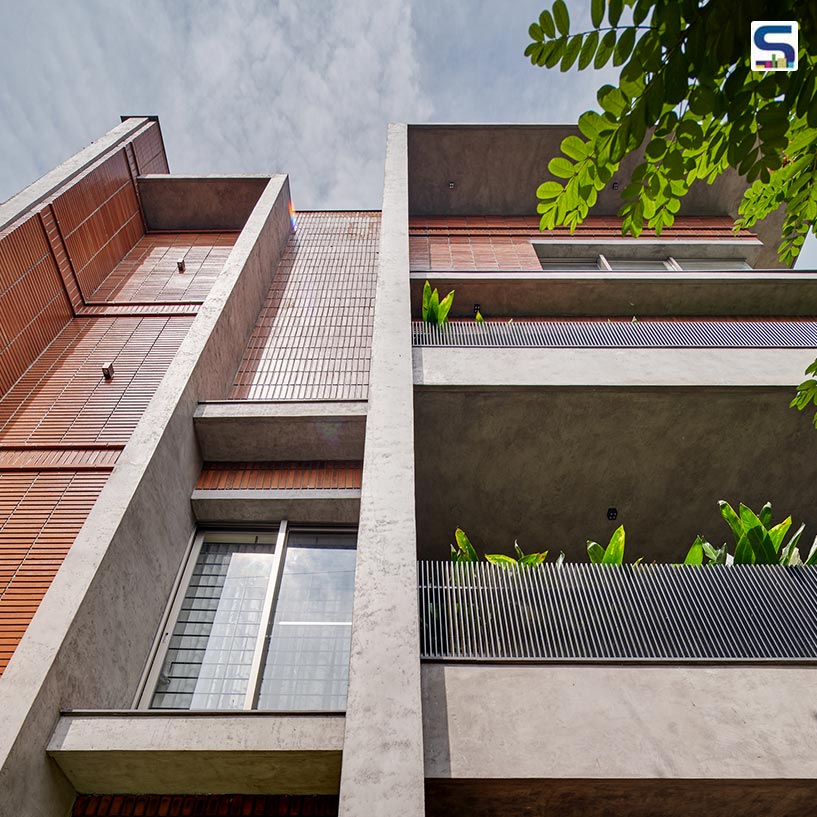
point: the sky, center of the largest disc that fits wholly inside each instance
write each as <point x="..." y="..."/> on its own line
<point x="258" y="86"/>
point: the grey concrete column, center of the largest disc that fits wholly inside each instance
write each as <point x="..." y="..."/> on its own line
<point x="382" y="770"/>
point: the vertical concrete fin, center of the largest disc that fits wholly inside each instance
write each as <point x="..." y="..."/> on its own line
<point x="383" y="749"/>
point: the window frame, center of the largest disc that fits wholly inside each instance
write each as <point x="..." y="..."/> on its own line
<point x="161" y="645"/>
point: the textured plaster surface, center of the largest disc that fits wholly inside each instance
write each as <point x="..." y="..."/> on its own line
<point x="383" y="751"/>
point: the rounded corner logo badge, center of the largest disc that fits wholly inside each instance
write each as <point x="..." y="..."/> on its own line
<point x="774" y="45"/>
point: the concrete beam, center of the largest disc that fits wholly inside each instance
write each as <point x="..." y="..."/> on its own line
<point x="194" y="753"/>
<point x="488" y="367"/>
<point x="383" y="753"/>
<point x="101" y="613"/>
<point x="624" y="294"/>
<point x="315" y="506"/>
<point x="32" y="195"/>
<point x="199" y="202"/>
<point x="257" y="431"/>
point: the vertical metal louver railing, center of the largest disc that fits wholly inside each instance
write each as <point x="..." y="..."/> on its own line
<point x="618" y="334"/>
<point x="583" y="612"/>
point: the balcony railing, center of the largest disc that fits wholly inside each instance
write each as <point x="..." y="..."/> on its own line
<point x="651" y="613"/>
<point x="692" y="334"/>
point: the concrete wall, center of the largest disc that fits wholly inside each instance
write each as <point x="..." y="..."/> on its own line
<point x="86" y="646"/>
<point x="497" y="168"/>
<point x="199" y="202"/>
<point x="383" y="753"/>
<point x="544" y="464"/>
<point x="569" y="726"/>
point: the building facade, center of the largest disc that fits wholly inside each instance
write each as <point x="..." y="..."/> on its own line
<point x="233" y="457"/>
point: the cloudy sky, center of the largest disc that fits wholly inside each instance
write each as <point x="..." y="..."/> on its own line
<point x="254" y="86"/>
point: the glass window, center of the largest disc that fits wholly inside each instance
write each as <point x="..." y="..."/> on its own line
<point x="713" y="264"/>
<point x="222" y="652"/>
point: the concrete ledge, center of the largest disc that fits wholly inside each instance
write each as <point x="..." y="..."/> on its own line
<point x="624" y="294"/>
<point x="199" y="202"/>
<point x="440" y="366"/>
<point x="338" y="506"/>
<point x="258" y="431"/>
<point x="190" y="753"/>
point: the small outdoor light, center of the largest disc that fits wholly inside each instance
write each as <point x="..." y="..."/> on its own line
<point x="180" y="265"/>
<point x="107" y="371"/>
<point x="476" y="308"/>
<point x="614" y="185"/>
<point x="612" y="513"/>
<point x="451" y="185"/>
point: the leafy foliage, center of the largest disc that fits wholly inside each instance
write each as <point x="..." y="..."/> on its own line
<point x="613" y="554"/>
<point x="434" y="309"/>
<point x="687" y="95"/>
<point x="465" y="552"/>
<point x="807" y="392"/>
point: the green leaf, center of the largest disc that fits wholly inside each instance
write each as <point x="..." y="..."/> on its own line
<point x="695" y="555"/>
<point x="596" y="552"/>
<point x="778" y="532"/>
<point x="732" y="519"/>
<point x="656" y="149"/>
<point x="500" y="559"/>
<point x="689" y="134"/>
<point x="444" y="308"/>
<point x="597" y="12"/>
<point x="624" y="47"/>
<point x="466" y="552"/>
<point x="571" y="52"/>
<point x="434" y="306"/>
<point x="535" y="32"/>
<point x="811" y="559"/>
<point x="549" y="190"/>
<point x="614" y="554"/>
<point x="574" y="147"/>
<point x="758" y="537"/>
<point x="608" y="42"/>
<point x="791" y="554"/>
<point x="744" y="554"/>
<point x="561" y="17"/>
<point x="588" y="51"/>
<point x="562" y="168"/>
<point x="426" y="301"/>
<point x="533" y="559"/>
<point x="614" y="10"/>
<point x="546" y="22"/>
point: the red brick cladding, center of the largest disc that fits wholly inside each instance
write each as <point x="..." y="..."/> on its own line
<point x="504" y="243"/>
<point x="53" y="257"/>
<point x="206" y="805"/>
<point x="279" y="475"/>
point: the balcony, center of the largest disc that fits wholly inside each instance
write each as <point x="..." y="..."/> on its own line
<point x="576" y="613"/>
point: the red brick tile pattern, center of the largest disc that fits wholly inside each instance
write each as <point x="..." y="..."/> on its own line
<point x="313" y="338"/>
<point x="149" y="154"/>
<point x="63" y="397"/>
<point x="40" y="515"/>
<point x="270" y="476"/>
<point x="206" y="805"/>
<point x="504" y="243"/>
<point x="33" y="303"/>
<point x="148" y="272"/>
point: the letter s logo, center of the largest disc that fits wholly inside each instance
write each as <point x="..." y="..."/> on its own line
<point x="774" y="45"/>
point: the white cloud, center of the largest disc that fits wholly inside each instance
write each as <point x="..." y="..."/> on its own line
<point x="239" y="86"/>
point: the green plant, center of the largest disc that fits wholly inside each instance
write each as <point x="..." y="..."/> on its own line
<point x="807" y="392"/>
<point x="758" y="542"/>
<point x="434" y="309"/>
<point x="478" y="317"/>
<point x="613" y="554"/>
<point x="466" y="552"/>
